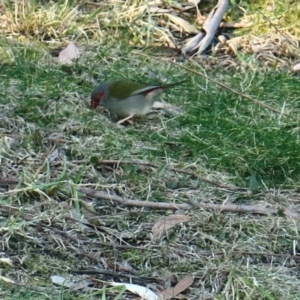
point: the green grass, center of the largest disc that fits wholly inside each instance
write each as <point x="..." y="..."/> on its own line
<point x="232" y="134"/>
<point x="219" y="135"/>
<point x="243" y="139"/>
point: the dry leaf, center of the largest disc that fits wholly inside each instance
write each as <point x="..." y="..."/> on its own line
<point x="68" y="54"/>
<point x="56" y="154"/>
<point x="155" y="9"/>
<point x="182" y="285"/>
<point x="6" y="261"/>
<point x="183" y="24"/>
<point x="89" y="207"/>
<point x="191" y="4"/>
<point x="222" y="39"/>
<point x="61" y="281"/>
<point x="75" y="285"/>
<point x="165" y="223"/>
<point x="168" y="107"/>
<point x="7" y="280"/>
<point x="90" y="214"/>
<point x="234" y="43"/>
<point x="143" y="292"/>
<point x="53" y="155"/>
<point x="296" y="67"/>
<point x="124" y="266"/>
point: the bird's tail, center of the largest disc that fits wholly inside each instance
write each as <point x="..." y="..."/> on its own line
<point x="173" y="84"/>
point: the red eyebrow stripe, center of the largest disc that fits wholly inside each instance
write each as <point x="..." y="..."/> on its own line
<point x="97" y="99"/>
<point x="99" y="96"/>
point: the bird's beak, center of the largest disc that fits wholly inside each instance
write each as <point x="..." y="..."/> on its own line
<point x="96" y="100"/>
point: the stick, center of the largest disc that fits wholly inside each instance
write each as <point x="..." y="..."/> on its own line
<point x="167" y="205"/>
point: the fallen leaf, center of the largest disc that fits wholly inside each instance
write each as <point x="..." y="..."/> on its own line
<point x="222" y="39"/>
<point x="68" y="54"/>
<point x="165" y="223"/>
<point x="167" y="106"/>
<point x="183" y="24"/>
<point x="142" y="291"/>
<point x="191" y="4"/>
<point x="155" y="9"/>
<point x="61" y="281"/>
<point x="182" y="285"/>
<point x="7" y="280"/>
<point x="296" y="67"/>
<point x="6" y="261"/>
<point x="89" y="213"/>
<point x="56" y="154"/>
<point x="234" y="43"/>
<point x="89" y="207"/>
<point x="75" y="285"/>
<point x="124" y="266"/>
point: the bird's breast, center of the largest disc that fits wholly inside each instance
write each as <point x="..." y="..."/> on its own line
<point x="136" y="105"/>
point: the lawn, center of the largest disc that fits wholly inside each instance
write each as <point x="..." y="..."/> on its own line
<point x="80" y="194"/>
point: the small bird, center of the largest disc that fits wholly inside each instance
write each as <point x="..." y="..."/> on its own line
<point x="127" y="99"/>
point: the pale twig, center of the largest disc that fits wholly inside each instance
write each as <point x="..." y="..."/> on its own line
<point x="167" y="205"/>
<point x="235" y="24"/>
<point x="243" y="253"/>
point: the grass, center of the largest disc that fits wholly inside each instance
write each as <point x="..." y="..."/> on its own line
<point x="220" y="135"/>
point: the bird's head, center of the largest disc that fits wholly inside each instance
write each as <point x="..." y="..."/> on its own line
<point x="99" y="94"/>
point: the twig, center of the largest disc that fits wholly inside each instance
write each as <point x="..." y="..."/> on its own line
<point x="8" y="180"/>
<point x="164" y="205"/>
<point x="210" y="26"/>
<point x="116" y="274"/>
<point x="235" y="24"/>
<point x="236" y="252"/>
<point x="135" y="202"/>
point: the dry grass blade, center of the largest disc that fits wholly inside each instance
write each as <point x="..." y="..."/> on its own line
<point x="39" y="21"/>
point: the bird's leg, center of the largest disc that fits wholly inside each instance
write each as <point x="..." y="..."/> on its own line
<point x="126" y="119"/>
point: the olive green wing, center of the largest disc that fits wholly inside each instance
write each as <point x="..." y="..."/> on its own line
<point x="123" y="89"/>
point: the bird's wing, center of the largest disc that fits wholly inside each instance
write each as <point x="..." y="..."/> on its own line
<point x="121" y="89"/>
<point x="146" y="90"/>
